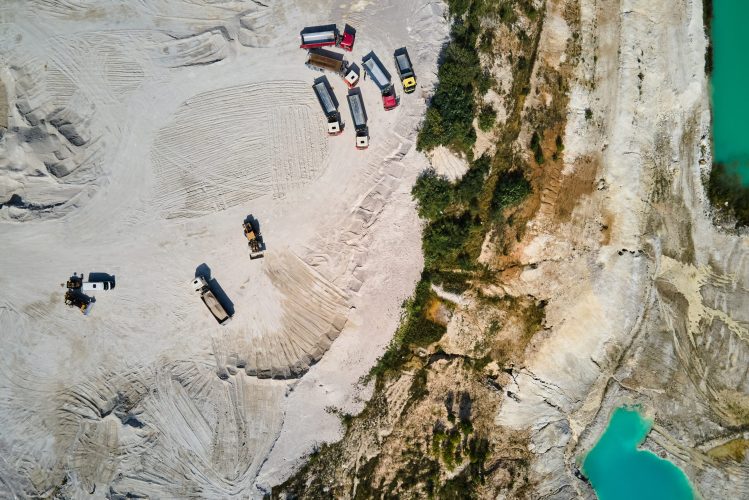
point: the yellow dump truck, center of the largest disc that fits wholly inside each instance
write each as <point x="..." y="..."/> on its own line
<point x="405" y="70"/>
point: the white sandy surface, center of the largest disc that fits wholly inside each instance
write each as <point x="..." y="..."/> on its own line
<point x="188" y="117"/>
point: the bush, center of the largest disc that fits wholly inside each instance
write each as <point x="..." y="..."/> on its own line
<point x="535" y="146"/>
<point x="432" y="193"/>
<point x="443" y="240"/>
<point x="487" y="117"/>
<point x="449" y="120"/>
<point x="725" y="187"/>
<point x="511" y="189"/>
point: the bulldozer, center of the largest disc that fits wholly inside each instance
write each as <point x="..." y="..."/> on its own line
<point x="254" y="240"/>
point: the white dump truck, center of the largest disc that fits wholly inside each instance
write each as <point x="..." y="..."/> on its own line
<point x="329" y="105"/>
<point x="200" y="285"/>
<point x="359" y="117"/>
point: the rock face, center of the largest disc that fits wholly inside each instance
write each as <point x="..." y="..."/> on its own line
<point x="653" y="310"/>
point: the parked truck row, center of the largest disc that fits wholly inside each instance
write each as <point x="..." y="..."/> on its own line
<point x="314" y="38"/>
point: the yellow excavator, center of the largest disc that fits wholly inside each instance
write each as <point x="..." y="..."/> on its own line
<point x="254" y="240"/>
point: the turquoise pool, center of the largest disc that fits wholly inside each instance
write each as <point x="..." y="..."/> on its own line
<point x="730" y="86"/>
<point x="617" y="469"/>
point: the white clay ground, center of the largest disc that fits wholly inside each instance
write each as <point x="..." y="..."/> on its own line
<point x="139" y="136"/>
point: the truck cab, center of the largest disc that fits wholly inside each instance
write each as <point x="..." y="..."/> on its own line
<point x="346" y="41"/>
<point x="389" y="98"/>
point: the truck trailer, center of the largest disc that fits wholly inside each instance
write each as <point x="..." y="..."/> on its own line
<point x="405" y="70"/>
<point x="321" y="59"/>
<point x="380" y="76"/>
<point x="328" y="35"/>
<point x="319" y="36"/>
<point x="329" y="105"/>
<point x="359" y="117"/>
<point x="200" y="285"/>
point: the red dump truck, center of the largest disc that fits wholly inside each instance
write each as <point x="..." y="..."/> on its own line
<point x="328" y="35"/>
<point x="329" y="105"/>
<point x="380" y="76"/>
<point x="322" y="60"/>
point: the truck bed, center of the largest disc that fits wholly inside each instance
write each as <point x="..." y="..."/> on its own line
<point x="215" y="306"/>
<point x="358" y="113"/>
<point x="376" y="70"/>
<point x="325" y="59"/>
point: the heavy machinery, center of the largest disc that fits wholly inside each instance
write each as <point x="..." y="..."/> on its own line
<point x="405" y="70"/>
<point x="74" y="298"/>
<point x="321" y="60"/>
<point x="380" y="76"/>
<point x="328" y="35"/>
<point x="359" y="116"/>
<point x="254" y="239"/>
<point x="329" y="105"/>
<point x="200" y="285"/>
<point x="75" y="282"/>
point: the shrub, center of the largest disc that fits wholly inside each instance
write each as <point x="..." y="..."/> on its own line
<point x="511" y="189"/>
<point x="726" y="188"/>
<point x="449" y="120"/>
<point x="432" y="193"/>
<point x="535" y="146"/>
<point x="487" y="117"/>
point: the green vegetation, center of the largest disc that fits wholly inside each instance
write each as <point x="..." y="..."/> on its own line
<point x="726" y="190"/>
<point x="457" y="218"/>
<point x="449" y="120"/>
<point x="535" y="146"/>
<point x="511" y="189"/>
<point x="487" y="117"/>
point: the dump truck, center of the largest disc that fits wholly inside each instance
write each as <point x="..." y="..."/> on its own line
<point x="321" y="59"/>
<point x="254" y="240"/>
<point x="327" y="35"/>
<point x="329" y="105"/>
<point x="200" y="285"/>
<point x="405" y="70"/>
<point x="359" y="117"/>
<point x="380" y="76"/>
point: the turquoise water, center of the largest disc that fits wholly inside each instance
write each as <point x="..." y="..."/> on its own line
<point x="730" y="85"/>
<point x="618" y="470"/>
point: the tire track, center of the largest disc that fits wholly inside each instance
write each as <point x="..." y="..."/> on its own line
<point x="228" y="146"/>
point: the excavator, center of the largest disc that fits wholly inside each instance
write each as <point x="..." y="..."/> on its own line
<point x="254" y="239"/>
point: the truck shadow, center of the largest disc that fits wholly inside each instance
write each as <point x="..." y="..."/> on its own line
<point x="205" y="271"/>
